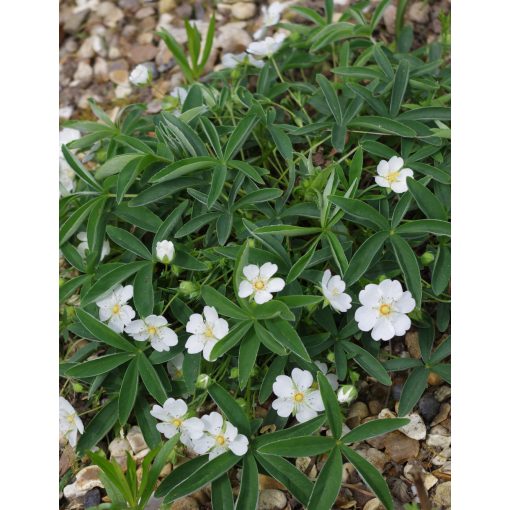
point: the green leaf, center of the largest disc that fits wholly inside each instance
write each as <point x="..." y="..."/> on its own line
<point x="178" y="53"/>
<point x="128" y="392"/>
<point x="95" y="233"/>
<point x="287" y="230"/>
<point x="203" y="475"/>
<point x="370" y="476"/>
<point x="212" y="136"/>
<point x="287" y="474"/>
<point x="300" y="265"/>
<point x="142" y="217"/>
<point x="258" y="196"/>
<point x="183" y="167"/>
<point x="180" y="474"/>
<point x="219" y="175"/>
<point x="282" y="141"/>
<point x="110" y="280"/>
<point x="273" y="309"/>
<point x="98" y="427"/>
<point x="128" y="241"/>
<point x="380" y="57"/>
<point x="426" y="200"/>
<point x="274" y="370"/>
<point x="331" y="404"/>
<point x="191" y="369"/>
<point x="361" y="210"/>
<point x="442" y="270"/>
<point x="196" y="224"/>
<point x="239" y="136"/>
<point x="427" y="113"/>
<point x="222" y="304"/>
<point x="249" y="491"/>
<point x="127" y="177"/>
<point x="300" y="301"/>
<point x="337" y="252"/>
<point x="441" y="352"/>
<point x="68" y="288"/>
<point x="103" y="333"/>
<point x="331" y="97"/>
<point x="437" y="227"/>
<point x="80" y="170"/>
<point x="246" y="169"/>
<point x="268" y="340"/>
<point x="99" y="365"/>
<point x="382" y="125"/>
<point x="247" y="356"/>
<point x="409" y="266"/>
<point x="368" y="363"/>
<point x="116" y="164"/>
<point x="444" y="370"/>
<point x="230" y="408"/>
<point x="143" y="292"/>
<point x="327" y="486"/>
<point x="288" y="337"/>
<point x="373" y="428"/>
<point x="363" y="257"/>
<point x="402" y="364"/>
<point x="74" y="221"/>
<point x="151" y="379"/>
<point x="187" y="261"/>
<point x="413" y="389"/>
<point x="221" y="494"/>
<point x="304" y="446"/>
<point x="146" y="421"/>
<point x="378" y="14"/>
<point x="399" y="87"/>
<point x="234" y="336"/>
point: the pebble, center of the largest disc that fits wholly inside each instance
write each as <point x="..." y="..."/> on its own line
<point x="166" y="6"/>
<point x="73" y="24"/>
<point x="416" y="428"/>
<point x="373" y="504"/>
<point x="119" y="76"/>
<point x="119" y="449"/>
<point x="86" y="479"/>
<point x="302" y="463"/>
<point x="419" y="12"/>
<point x="233" y="38"/>
<point x="136" y="440"/>
<point x="139" y="53"/>
<point x="429" y="480"/>
<point x="396" y="389"/>
<point x="412" y="338"/>
<point x="243" y="11"/>
<point x="266" y="482"/>
<point x="443" y="495"/>
<point x="357" y="412"/>
<point x="101" y="70"/>
<point x="144" y="12"/>
<point x="122" y="91"/>
<point x="442" y="393"/>
<point x="186" y="503"/>
<point x="87" y="48"/>
<point x="110" y="13"/>
<point x="92" y="498"/>
<point x="83" y="75"/>
<point x="442" y="458"/>
<point x="428" y="407"/>
<point x="442" y="415"/>
<point x="347" y="471"/>
<point x="390" y="17"/>
<point x="272" y="499"/>
<point x="377" y="458"/>
<point x="439" y="437"/>
<point x="400" y="448"/>
<point x="375" y="407"/>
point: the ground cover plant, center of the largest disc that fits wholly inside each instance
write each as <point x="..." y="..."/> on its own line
<point x="238" y="260"/>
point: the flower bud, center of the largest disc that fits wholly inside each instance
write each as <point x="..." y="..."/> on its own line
<point x="331" y="357"/>
<point x="165" y="251"/>
<point x="242" y="403"/>
<point x="188" y="288"/>
<point x="347" y="393"/>
<point x="427" y="258"/>
<point x="203" y="381"/>
<point x="234" y="373"/>
<point x="77" y="387"/>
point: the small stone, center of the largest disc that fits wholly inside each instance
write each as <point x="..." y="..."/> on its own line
<point x="139" y="53"/>
<point x="396" y="391"/>
<point x="390" y="17"/>
<point x="373" y="504"/>
<point x="272" y="499"/>
<point x="83" y="75"/>
<point x="145" y="38"/>
<point x="65" y="112"/>
<point x="92" y="498"/>
<point x="86" y="479"/>
<point x="186" y="503"/>
<point x="144" y="12"/>
<point x="442" y="415"/>
<point x="419" y="12"/>
<point x="442" y="458"/>
<point x="347" y="471"/>
<point x="101" y="70"/>
<point x="233" y="38"/>
<point x="443" y="495"/>
<point x="66" y="459"/>
<point x="243" y="11"/>
<point x="428" y="407"/>
<point x="357" y="412"/>
<point x="375" y="407"/>
<point x="434" y="379"/>
<point x="412" y="469"/>
<point x="166" y="6"/>
<point x="119" y="450"/>
<point x="136" y="440"/>
<point x="415" y="429"/>
<point x="442" y="393"/>
<point x="439" y="437"/>
<point x="110" y="13"/>
<point x="75" y="21"/>
<point x="377" y="458"/>
<point x="401" y="448"/>
<point x="303" y="463"/>
<point x="122" y="91"/>
<point x="412" y="338"/>
<point x="119" y="76"/>
<point x="87" y="48"/>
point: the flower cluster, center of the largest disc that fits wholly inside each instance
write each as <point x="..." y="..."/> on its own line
<point x="211" y="434"/>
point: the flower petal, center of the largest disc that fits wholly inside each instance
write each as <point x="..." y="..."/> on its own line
<point x="267" y="270"/>
<point x="395" y="163"/>
<point x="239" y="446"/>
<point x="383" y="168"/>
<point x="283" y="386"/>
<point x="304" y="413"/>
<point x="210" y="314"/>
<point x="302" y="378"/>
<point x="220" y="329"/>
<point x="195" y="324"/>
<point x="195" y="343"/>
<point x="283" y="406"/>
<point x="275" y="284"/>
<point x="245" y="289"/>
<point x="401" y="323"/>
<point x="391" y="289"/>
<point x="262" y="296"/>
<point x="406" y="303"/>
<point x="383" y="329"/>
<point x="366" y="317"/>
<point x="370" y="295"/>
<point x="314" y="400"/>
<point x="251" y="271"/>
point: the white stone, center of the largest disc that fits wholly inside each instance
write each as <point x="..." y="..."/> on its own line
<point x="416" y="428"/>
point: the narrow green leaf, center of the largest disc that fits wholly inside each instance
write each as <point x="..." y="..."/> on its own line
<point x="230" y="408"/>
<point x="413" y="389"/>
<point x="247" y="356"/>
<point x="234" y="336"/>
<point x="98" y="427"/>
<point x="368" y="363"/>
<point x="373" y="428"/>
<point x="74" y="221"/>
<point x="151" y="379"/>
<point x="331" y="404"/>
<point x="409" y="266"/>
<point x="399" y="87"/>
<point x="437" y="227"/>
<point x="331" y="97"/>
<point x="275" y="369"/>
<point x="128" y="241"/>
<point x="362" y="210"/>
<point x="240" y="134"/>
<point x="222" y="497"/>
<point x="219" y="175"/>
<point x="426" y="200"/>
<point x="143" y="292"/>
<point x="128" y="392"/>
<point x="304" y="446"/>
<point x="327" y="486"/>
<point x="288" y="337"/>
<point x="99" y="365"/>
<point x="249" y="492"/>
<point x="441" y="272"/>
<point x="80" y="170"/>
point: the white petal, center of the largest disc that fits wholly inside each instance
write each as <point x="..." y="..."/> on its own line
<point x="304" y="413"/>
<point x="177" y="408"/>
<point x="275" y="284"/>
<point x="321" y="366"/>
<point x="406" y="303"/>
<point x="193" y="427"/>
<point x="267" y="270"/>
<point x="230" y="431"/>
<point x="283" y="406"/>
<point x="167" y="429"/>
<point x="210" y="314"/>
<point x="136" y="328"/>
<point x="239" y="446"/>
<point x="220" y="329"/>
<point x="405" y="172"/>
<point x="383" y="168"/>
<point x="217" y="451"/>
<point x="168" y="336"/>
<point x="126" y="314"/>
<point x="302" y="378"/>
<point x="399" y="186"/>
<point x="105" y="313"/>
<point x="213" y="423"/>
<point x="245" y="289"/>
<point x="126" y="293"/>
<point x="401" y="323"/>
<point x="116" y="324"/>
<point x="195" y="343"/>
<point x="391" y="289"/>
<point x="262" y="296"/>
<point x="381" y="181"/>
<point x="383" y="329"/>
<point x="155" y="320"/>
<point x="203" y="444"/>
<point x="195" y="324"/>
<point x="158" y="344"/>
<point x="314" y="400"/>
<point x="365" y="316"/>
<point x="336" y="283"/>
<point x="395" y="163"/>
<point x="107" y="302"/>
<point x="283" y="386"/>
<point x="333" y="381"/>
<point x="342" y="302"/>
<point x="370" y="295"/>
<point x="325" y="279"/>
<point x="251" y="271"/>
<point x="208" y="347"/>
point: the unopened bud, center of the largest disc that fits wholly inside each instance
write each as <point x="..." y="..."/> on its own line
<point x="347" y="393"/>
<point x="203" y="381"/>
<point x="427" y="258"/>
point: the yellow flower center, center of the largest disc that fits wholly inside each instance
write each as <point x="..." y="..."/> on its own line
<point x="298" y="397"/>
<point x="178" y="373"/>
<point x="176" y="422"/>
<point x="385" y="309"/>
<point x="208" y="332"/>
<point x="259" y="285"/>
<point x="116" y="309"/>
<point x="152" y="330"/>
<point x="70" y="417"/>
<point x="392" y="176"/>
<point x="220" y="440"/>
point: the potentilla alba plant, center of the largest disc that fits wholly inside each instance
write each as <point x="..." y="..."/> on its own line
<point x="219" y="436"/>
<point x="114" y="309"/>
<point x="393" y="175"/>
<point x="173" y="421"/>
<point x="384" y="308"/>
<point x="141" y="75"/>
<point x="333" y="289"/>
<point x="232" y="60"/>
<point x="153" y="328"/>
<point x="165" y="251"/>
<point x="69" y="422"/>
<point x="207" y="330"/>
<point x="347" y="393"/>
<point x="83" y="247"/>
<point x="296" y="396"/>
<point x="268" y="47"/>
<point x="259" y="282"/>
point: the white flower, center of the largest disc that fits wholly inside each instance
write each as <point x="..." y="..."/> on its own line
<point x="172" y="416"/>
<point x="69" y="421"/>
<point x="268" y="46"/>
<point x="174" y="366"/>
<point x="384" y="310"/>
<point x="205" y="331"/>
<point x="295" y="396"/>
<point x="332" y="378"/>
<point x="113" y="308"/>
<point x="153" y="328"/>
<point x="165" y="251"/>
<point x="140" y="75"/>
<point x="231" y="60"/>
<point x="84" y="246"/>
<point x="180" y="93"/>
<point x="259" y="282"/>
<point x="333" y="289"/>
<point x="66" y="173"/>
<point x="347" y="393"/>
<point x="270" y="17"/>
<point x="219" y="436"/>
<point x="392" y="175"/>
<point x="66" y="136"/>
